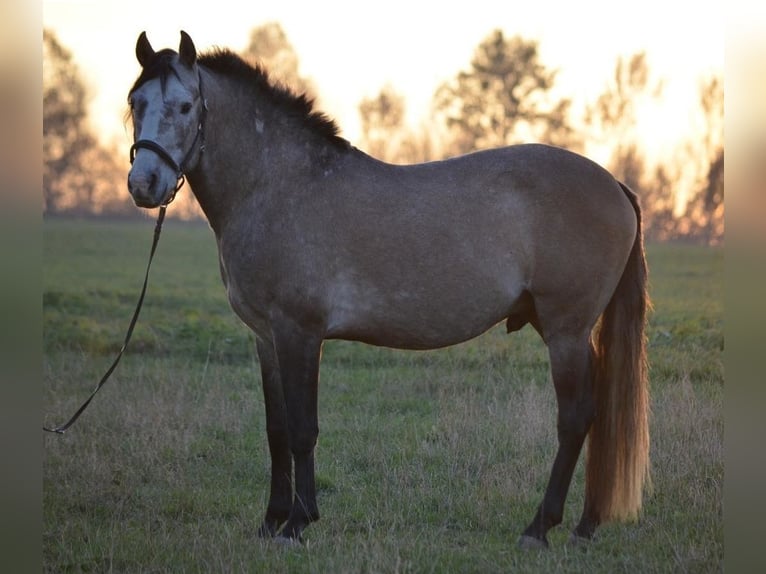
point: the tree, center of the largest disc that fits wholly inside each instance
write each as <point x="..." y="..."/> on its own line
<point x="79" y="175"/>
<point x="270" y="46"/>
<point x="383" y="123"/>
<point x="612" y="120"/>
<point x="658" y="191"/>
<point x="503" y="98"/>
<point x="613" y="117"/>
<point x="385" y="134"/>
<point x="65" y="136"/>
<point x="98" y="187"/>
<point x="705" y="210"/>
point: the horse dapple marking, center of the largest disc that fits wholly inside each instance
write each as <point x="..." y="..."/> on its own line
<point x="317" y="241"/>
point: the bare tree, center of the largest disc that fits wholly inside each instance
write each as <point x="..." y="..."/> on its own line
<point x="658" y="191"/>
<point x="705" y="210"/>
<point x="614" y="113"/>
<point x="612" y="120"/>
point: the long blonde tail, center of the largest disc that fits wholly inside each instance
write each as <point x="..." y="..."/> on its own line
<point x="617" y="462"/>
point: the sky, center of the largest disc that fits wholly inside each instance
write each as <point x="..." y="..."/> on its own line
<point x="351" y="49"/>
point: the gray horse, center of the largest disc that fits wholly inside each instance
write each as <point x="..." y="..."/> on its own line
<point x="318" y="240"/>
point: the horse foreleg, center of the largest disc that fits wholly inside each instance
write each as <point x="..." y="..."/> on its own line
<point x="571" y="370"/>
<point x="281" y="494"/>
<point x="298" y="355"/>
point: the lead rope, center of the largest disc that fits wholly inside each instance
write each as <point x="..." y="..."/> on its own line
<point x="157" y="228"/>
<point x="179" y="171"/>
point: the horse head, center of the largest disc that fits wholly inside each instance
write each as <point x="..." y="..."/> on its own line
<point x="167" y="110"/>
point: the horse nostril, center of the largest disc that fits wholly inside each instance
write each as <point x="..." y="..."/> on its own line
<point x="143" y="184"/>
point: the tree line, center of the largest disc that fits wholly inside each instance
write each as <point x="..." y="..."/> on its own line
<point x="505" y="96"/>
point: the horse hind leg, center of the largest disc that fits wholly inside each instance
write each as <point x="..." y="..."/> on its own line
<point x="571" y="367"/>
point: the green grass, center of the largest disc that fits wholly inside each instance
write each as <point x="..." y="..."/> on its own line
<point x="427" y="462"/>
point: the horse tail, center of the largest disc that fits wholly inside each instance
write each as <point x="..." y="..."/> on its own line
<point x="617" y="461"/>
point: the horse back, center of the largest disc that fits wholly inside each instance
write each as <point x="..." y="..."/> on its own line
<point x="428" y="255"/>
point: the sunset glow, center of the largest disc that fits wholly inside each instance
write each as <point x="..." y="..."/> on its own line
<point x="351" y="50"/>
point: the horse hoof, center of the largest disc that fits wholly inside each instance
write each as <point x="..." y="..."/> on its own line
<point x="579" y="541"/>
<point x="286" y="542"/>
<point x="532" y="543"/>
<point x="265" y="532"/>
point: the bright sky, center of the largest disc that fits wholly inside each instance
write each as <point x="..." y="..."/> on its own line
<point x="351" y="49"/>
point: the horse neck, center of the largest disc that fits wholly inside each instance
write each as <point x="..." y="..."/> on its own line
<point x="250" y="148"/>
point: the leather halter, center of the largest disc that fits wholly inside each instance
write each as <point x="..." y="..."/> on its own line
<point x="178" y="169"/>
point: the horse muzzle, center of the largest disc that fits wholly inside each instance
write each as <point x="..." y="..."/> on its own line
<point x="153" y="183"/>
<point x="150" y="188"/>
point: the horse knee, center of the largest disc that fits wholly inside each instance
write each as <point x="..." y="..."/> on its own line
<point x="303" y="440"/>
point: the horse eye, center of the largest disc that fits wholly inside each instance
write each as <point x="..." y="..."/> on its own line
<point x="186" y="108"/>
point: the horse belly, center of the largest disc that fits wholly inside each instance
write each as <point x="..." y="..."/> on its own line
<point x="420" y="318"/>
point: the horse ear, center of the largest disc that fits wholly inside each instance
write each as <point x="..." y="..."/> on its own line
<point x="186" y="51"/>
<point x="144" y="50"/>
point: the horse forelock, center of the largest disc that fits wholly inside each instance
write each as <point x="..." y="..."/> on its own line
<point x="160" y="66"/>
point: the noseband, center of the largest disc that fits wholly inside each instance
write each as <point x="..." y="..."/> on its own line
<point x="167" y="158"/>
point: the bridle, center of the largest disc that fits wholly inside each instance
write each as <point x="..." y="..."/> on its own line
<point x="180" y="179"/>
<point x="178" y="169"/>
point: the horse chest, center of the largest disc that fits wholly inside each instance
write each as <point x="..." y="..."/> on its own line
<point x="243" y="301"/>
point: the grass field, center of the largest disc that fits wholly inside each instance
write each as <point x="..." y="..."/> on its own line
<point x="427" y="462"/>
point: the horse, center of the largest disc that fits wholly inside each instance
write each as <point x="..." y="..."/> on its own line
<point x="317" y="241"/>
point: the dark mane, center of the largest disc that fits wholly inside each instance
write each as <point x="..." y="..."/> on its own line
<point x="280" y="96"/>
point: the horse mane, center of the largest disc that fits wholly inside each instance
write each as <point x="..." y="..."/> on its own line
<point x="226" y="62"/>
